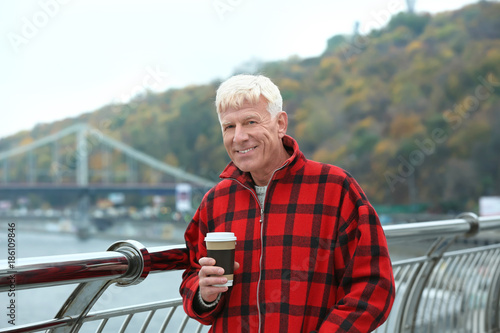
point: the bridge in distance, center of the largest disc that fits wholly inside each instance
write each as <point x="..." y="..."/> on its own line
<point x="66" y="156"/>
<point x="64" y="164"/>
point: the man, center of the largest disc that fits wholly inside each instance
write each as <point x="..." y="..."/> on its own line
<point x="311" y="255"/>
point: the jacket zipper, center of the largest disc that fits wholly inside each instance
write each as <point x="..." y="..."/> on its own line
<point x="261" y="233"/>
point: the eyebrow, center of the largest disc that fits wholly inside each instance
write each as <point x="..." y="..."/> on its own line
<point x="251" y="116"/>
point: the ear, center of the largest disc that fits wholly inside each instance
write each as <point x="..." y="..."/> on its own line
<point x="282" y="121"/>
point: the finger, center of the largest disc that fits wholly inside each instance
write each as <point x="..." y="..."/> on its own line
<point x="209" y="294"/>
<point x="206" y="261"/>
<point x="210" y="270"/>
<point x="236" y="265"/>
<point x="211" y="283"/>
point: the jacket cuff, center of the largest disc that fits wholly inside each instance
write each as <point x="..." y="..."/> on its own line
<point x="204" y="306"/>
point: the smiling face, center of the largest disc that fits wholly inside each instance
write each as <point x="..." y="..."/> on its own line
<point x="253" y="139"/>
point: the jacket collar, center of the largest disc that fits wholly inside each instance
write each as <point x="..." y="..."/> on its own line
<point x="294" y="162"/>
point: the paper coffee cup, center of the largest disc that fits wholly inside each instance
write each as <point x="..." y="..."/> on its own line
<point x="220" y="246"/>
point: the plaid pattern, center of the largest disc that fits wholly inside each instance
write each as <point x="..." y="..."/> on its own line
<point x="318" y="261"/>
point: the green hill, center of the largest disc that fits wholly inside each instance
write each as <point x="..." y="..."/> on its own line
<point x="409" y="110"/>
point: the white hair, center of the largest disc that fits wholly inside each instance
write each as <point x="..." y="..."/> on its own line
<point x="243" y="88"/>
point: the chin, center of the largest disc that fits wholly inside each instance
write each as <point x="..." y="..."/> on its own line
<point x="245" y="167"/>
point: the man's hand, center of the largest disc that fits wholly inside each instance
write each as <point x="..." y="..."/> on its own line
<point x="209" y="275"/>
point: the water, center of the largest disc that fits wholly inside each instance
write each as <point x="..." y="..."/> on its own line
<point x="43" y="303"/>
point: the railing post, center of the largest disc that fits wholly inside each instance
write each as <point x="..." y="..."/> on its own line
<point x="416" y="286"/>
<point x="86" y="294"/>
<point x="492" y="313"/>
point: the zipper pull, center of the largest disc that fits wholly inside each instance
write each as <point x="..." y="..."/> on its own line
<point x="261" y="214"/>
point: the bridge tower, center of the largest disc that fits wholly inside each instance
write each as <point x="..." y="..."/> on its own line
<point x="67" y="165"/>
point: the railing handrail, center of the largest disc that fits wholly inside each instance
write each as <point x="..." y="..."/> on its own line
<point x="118" y="262"/>
<point x="469" y="225"/>
<point x="114" y="264"/>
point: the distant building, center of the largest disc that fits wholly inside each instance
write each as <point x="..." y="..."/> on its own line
<point x="489" y="206"/>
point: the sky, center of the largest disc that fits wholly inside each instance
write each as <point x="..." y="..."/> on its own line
<point x="62" y="58"/>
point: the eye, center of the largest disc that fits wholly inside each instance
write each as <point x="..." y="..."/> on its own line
<point x="228" y="127"/>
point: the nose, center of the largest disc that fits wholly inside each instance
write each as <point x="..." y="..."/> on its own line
<point x="240" y="134"/>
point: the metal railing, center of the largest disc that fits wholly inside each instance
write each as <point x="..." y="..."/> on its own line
<point x="442" y="291"/>
<point x="454" y="291"/>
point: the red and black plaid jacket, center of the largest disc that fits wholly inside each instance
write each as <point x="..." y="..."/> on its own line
<point x="314" y="258"/>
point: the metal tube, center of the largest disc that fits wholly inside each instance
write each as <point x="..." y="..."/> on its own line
<point x="76" y="268"/>
<point x="65" y="269"/>
<point x="454" y="279"/>
<point x="489" y="223"/>
<point x="426" y="230"/>
<point x="467" y="272"/>
<point x="476" y="291"/>
<point x="125" y="323"/>
<point x="431" y="298"/>
<point x="102" y="325"/>
<point x="39" y="326"/>
<point x="493" y="304"/>
<point x="131" y="309"/>
<point x="433" y="229"/>
<point x="167" y="319"/>
<point x="147" y="321"/>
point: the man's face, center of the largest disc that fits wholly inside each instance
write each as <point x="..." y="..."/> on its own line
<point x="253" y="138"/>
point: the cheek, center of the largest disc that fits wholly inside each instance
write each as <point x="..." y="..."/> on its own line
<point x="226" y="140"/>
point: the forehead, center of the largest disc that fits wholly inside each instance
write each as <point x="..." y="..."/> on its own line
<point x="247" y="110"/>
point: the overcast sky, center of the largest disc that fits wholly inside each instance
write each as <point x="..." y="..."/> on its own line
<point x="61" y="58"/>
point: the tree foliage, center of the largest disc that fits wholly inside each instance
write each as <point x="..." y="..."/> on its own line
<point x="416" y="100"/>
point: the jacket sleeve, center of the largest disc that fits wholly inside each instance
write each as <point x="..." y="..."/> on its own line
<point x="190" y="282"/>
<point x="364" y="271"/>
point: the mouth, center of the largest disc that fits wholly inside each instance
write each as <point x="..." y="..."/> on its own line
<point x="246" y="150"/>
